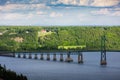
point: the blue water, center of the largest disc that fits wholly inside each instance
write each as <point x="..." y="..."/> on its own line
<point x="50" y="70"/>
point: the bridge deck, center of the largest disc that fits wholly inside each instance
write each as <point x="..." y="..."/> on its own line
<point x="65" y="52"/>
<point x="72" y="52"/>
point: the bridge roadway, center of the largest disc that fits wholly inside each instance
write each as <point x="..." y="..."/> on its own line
<point x="73" y="52"/>
<point x="68" y="53"/>
<point x="41" y="53"/>
<point x="56" y="51"/>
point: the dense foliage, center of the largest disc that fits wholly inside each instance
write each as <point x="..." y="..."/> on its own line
<point x="10" y="75"/>
<point x="24" y="38"/>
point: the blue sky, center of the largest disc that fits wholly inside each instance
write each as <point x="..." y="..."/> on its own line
<point x="59" y="12"/>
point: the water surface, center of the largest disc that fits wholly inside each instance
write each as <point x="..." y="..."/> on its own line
<point x="50" y="70"/>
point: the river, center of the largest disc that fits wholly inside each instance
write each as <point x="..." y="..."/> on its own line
<point x="55" y="70"/>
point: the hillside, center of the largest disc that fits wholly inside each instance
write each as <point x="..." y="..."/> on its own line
<point x="24" y="38"/>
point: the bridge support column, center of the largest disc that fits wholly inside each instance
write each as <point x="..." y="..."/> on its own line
<point x="48" y="57"/>
<point x="68" y="59"/>
<point x="19" y="56"/>
<point x="54" y="57"/>
<point x="24" y="55"/>
<point x="80" y="58"/>
<point x="41" y="57"/>
<point x="30" y="56"/>
<point x="103" y="50"/>
<point x="61" y="57"/>
<point x="35" y="56"/>
<point x="14" y="55"/>
<point x="103" y="58"/>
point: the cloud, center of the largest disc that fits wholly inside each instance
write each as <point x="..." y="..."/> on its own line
<point x="103" y="3"/>
<point x="33" y="1"/>
<point x="67" y="2"/>
<point x="25" y="16"/>
<point x="40" y="13"/>
<point x="12" y="16"/>
<point x="117" y="13"/>
<point x="11" y="7"/>
<point x="30" y="15"/>
<point x="84" y="2"/>
<point x="107" y="12"/>
<point x="95" y="3"/>
<point x="15" y="16"/>
<point x="101" y="11"/>
<point x="117" y="9"/>
<point x="54" y="14"/>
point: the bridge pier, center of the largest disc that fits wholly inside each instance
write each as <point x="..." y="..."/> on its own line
<point x="24" y="55"/>
<point x="19" y="56"/>
<point x="30" y="56"/>
<point x="103" y="58"/>
<point x="68" y="59"/>
<point x="80" y="57"/>
<point x="14" y="55"/>
<point x="41" y="57"/>
<point x="54" y="57"/>
<point x="61" y="57"/>
<point x="48" y="57"/>
<point x="35" y="57"/>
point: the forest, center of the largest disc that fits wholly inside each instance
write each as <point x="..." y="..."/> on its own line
<point x="37" y="38"/>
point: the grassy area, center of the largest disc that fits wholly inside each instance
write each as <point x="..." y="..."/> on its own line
<point x="72" y="47"/>
<point x="42" y="34"/>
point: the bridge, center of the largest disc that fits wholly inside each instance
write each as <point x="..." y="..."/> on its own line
<point x="52" y="55"/>
<point x="68" y="53"/>
<point x="68" y="59"/>
<point x="79" y="53"/>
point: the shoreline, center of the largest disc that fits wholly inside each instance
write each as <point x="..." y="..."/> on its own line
<point x="7" y="54"/>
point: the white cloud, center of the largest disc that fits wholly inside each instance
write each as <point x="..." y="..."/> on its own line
<point x="33" y="1"/>
<point x="13" y="16"/>
<point x="117" y="13"/>
<point x="101" y="11"/>
<point x="117" y="9"/>
<point x="16" y="16"/>
<point x="30" y="15"/>
<point x="72" y="2"/>
<point x="9" y="7"/>
<point x="40" y="13"/>
<point x="107" y="12"/>
<point x="102" y="3"/>
<point x="84" y="2"/>
<point x="96" y="3"/>
<point x="8" y="2"/>
<point x="81" y="15"/>
<point x="54" y="14"/>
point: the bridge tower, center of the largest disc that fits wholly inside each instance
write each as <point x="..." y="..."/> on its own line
<point x="103" y="50"/>
<point x="80" y="57"/>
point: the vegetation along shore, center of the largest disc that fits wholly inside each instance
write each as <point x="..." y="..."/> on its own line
<point x="10" y="75"/>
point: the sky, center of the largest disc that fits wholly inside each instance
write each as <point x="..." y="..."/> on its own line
<point x="59" y="12"/>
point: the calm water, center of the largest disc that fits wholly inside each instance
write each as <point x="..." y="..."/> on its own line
<point x="50" y="70"/>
